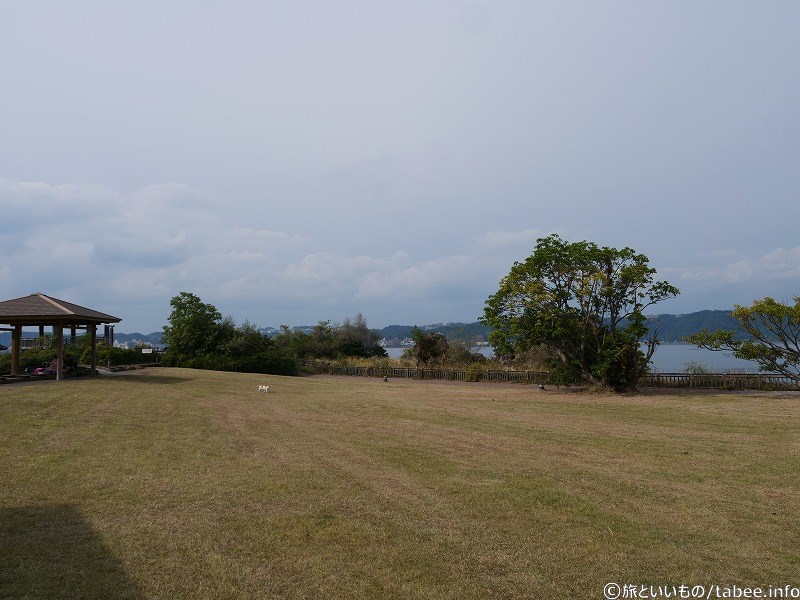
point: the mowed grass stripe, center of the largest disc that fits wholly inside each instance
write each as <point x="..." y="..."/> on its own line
<point x="194" y="485"/>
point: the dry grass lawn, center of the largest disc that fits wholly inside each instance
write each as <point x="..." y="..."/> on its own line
<point x="171" y="483"/>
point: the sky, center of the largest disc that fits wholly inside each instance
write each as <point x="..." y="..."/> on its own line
<point x="291" y="162"/>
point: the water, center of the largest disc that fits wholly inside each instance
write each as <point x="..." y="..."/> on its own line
<point x="672" y="358"/>
<point x="669" y="358"/>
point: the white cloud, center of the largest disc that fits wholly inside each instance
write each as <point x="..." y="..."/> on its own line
<point x="89" y="243"/>
<point x="129" y="253"/>
<point x="140" y="249"/>
<point x="417" y="282"/>
<point x="29" y="205"/>
<point x="778" y="264"/>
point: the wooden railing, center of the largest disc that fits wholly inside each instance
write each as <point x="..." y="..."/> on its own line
<point x="749" y="381"/>
<point x="728" y="381"/>
<point x="43" y="342"/>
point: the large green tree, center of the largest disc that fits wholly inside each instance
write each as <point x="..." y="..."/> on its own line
<point x="355" y="338"/>
<point x="352" y="338"/>
<point x="585" y="304"/>
<point x="429" y="347"/>
<point x="773" y="336"/>
<point x="195" y="328"/>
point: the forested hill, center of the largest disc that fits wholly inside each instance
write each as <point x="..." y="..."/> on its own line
<point x="673" y="328"/>
<point x="452" y="331"/>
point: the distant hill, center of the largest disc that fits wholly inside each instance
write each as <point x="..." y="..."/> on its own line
<point x="451" y="331"/>
<point x="149" y="338"/>
<point x="671" y="328"/>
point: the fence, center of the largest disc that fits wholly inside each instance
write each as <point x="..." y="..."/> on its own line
<point x="43" y="342"/>
<point x="728" y="381"/>
<point x="749" y="381"/>
<point x="131" y="357"/>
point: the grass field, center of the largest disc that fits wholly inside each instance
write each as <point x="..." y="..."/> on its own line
<point x="170" y="483"/>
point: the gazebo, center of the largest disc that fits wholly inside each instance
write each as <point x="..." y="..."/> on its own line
<point x="40" y="310"/>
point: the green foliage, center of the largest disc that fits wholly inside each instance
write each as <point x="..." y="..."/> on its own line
<point x="428" y="347"/>
<point x="354" y="338"/>
<point x="198" y="337"/>
<point x="245" y="340"/>
<point x="475" y="372"/>
<point x="774" y="336"/>
<point x="107" y="354"/>
<point x="535" y="358"/>
<point x="694" y="367"/>
<point x="469" y="332"/>
<point x="585" y="304"/>
<point x="28" y="360"/>
<point x="459" y="353"/>
<point x="81" y="350"/>
<point x="270" y="361"/>
<point x="293" y="342"/>
<point x="194" y="328"/>
<point x="350" y="339"/>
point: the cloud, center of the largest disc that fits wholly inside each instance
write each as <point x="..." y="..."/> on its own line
<point x="164" y="239"/>
<point x="140" y="250"/>
<point x="88" y="242"/>
<point x="27" y="206"/>
<point x="442" y="277"/>
<point x="720" y="283"/>
<point x="128" y="253"/>
<point x="777" y="264"/>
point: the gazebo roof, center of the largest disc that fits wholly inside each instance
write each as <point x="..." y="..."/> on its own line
<point x="40" y="309"/>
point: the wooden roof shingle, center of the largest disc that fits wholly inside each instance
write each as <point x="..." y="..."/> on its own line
<point x="40" y="309"/>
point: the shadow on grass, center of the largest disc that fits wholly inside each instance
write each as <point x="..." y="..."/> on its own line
<point x="51" y="551"/>
<point x="151" y="379"/>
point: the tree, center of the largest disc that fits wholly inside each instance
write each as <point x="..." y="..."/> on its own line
<point x="428" y="347"/>
<point x="583" y="303"/>
<point x="243" y="340"/>
<point x="773" y="341"/>
<point x="194" y="328"/>
<point x="355" y="338"/>
<point x="460" y="353"/>
<point x="294" y="342"/>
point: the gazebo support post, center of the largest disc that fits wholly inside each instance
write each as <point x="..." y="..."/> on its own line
<point x="16" y="337"/>
<point x="93" y="340"/>
<point x="40" y="310"/>
<point x="59" y="352"/>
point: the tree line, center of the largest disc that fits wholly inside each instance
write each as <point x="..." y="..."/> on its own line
<point x="576" y="308"/>
<point x="197" y="336"/>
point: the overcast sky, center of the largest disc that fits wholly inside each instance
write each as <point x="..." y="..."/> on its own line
<point x="290" y="162"/>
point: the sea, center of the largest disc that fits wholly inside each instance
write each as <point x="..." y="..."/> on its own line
<point x="668" y="358"/>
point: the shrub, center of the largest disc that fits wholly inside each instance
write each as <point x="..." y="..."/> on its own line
<point x="28" y="360"/>
<point x="694" y="367"/>
<point x="475" y="372"/>
<point x="459" y="353"/>
<point x="270" y="362"/>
